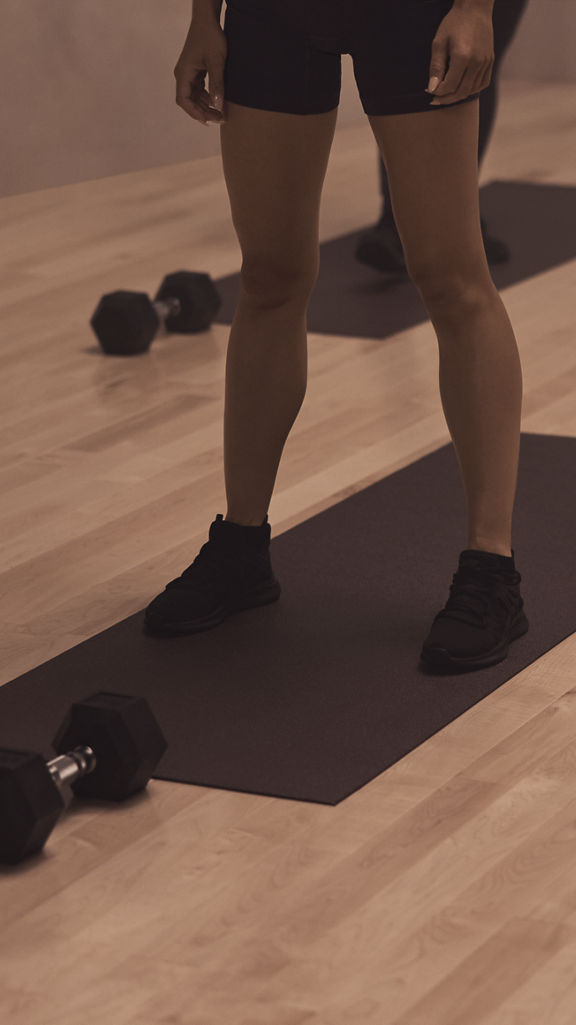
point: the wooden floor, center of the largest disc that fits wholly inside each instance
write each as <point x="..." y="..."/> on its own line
<point x="443" y="892"/>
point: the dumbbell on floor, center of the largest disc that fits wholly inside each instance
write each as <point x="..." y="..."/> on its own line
<point x="126" y="323"/>
<point x="109" y="746"/>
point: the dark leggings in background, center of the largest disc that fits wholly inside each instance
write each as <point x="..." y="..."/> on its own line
<point x="506" y="17"/>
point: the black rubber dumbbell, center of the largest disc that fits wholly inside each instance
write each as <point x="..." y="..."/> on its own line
<point x="126" y="323"/>
<point x="109" y="746"/>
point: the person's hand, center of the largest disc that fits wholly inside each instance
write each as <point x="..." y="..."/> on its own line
<point x="465" y="42"/>
<point x="204" y="52"/>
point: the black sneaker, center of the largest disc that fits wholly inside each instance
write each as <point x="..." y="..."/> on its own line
<point x="483" y="615"/>
<point x="232" y="572"/>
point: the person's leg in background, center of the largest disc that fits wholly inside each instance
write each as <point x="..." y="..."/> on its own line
<point x="506" y="19"/>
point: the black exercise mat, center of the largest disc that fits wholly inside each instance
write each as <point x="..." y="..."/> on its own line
<point x="312" y="697"/>
<point x="537" y="222"/>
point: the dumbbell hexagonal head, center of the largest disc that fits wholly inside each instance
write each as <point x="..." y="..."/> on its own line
<point x="125" y="323"/>
<point x="125" y="737"/>
<point x="30" y="804"/>
<point x="199" y="298"/>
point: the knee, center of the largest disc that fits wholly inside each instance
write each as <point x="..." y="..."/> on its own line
<point x="452" y="287"/>
<point x="268" y="283"/>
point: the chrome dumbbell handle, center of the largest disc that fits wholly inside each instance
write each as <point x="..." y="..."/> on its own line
<point x="66" y="769"/>
<point x="167" y="308"/>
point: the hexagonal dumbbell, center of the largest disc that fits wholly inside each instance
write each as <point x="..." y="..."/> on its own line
<point x="117" y="743"/>
<point x="126" y="323"/>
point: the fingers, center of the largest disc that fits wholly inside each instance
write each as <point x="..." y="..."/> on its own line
<point x="460" y="82"/>
<point x="192" y="97"/>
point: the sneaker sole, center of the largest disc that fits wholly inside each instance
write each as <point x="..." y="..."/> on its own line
<point x="250" y="600"/>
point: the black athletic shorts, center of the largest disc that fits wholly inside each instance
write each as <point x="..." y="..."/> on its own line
<point x="285" y="55"/>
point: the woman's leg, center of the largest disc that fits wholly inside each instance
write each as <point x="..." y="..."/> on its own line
<point x="506" y="18"/>
<point x="432" y="163"/>
<point x="274" y="166"/>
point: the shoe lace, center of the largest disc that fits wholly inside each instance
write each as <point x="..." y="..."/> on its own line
<point x="208" y="561"/>
<point x="472" y="596"/>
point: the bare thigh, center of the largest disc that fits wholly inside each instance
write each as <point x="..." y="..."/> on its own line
<point x="274" y="167"/>
<point x="432" y="164"/>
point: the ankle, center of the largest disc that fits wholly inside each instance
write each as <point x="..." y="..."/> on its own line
<point x="494" y="548"/>
<point x="245" y="521"/>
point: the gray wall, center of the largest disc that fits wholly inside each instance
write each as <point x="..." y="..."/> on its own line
<point x="88" y="88"/>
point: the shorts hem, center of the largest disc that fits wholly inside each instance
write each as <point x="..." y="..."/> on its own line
<point x="417" y="107"/>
